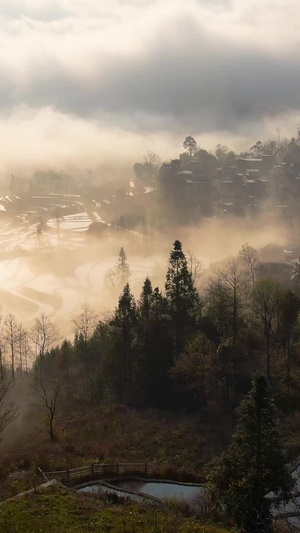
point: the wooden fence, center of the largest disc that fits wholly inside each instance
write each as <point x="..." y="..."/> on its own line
<point x="100" y="470"/>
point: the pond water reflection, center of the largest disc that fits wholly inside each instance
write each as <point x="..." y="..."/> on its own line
<point x="161" y="490"/>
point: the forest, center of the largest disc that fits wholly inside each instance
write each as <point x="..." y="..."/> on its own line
<point x="180" y="348"/>
<point x="189" y="350"/>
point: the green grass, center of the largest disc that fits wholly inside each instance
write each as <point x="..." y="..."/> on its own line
<point x="59" y="510"/>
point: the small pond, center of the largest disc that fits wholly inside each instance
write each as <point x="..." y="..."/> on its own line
<point x="156" y="489"/>
<point x="163" y="489"/>
<point x="97" y="488"/>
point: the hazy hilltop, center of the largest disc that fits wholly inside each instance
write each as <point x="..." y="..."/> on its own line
<point x="62" y="232"/>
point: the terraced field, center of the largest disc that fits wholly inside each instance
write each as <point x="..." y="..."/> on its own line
<point x="48" y="264"/>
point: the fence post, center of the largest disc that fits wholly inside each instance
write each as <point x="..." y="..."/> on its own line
<point x="42" y="474"/>
<point x="146" y="465"/>
<point x="68" y="476"/>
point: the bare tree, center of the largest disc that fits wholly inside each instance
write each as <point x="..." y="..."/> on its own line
<point x="221" y="152"/>
<point x="152" y="163"/>
<point x="10" y="332"/>
<point x="44" y="334"/>
<point x="250" y="259"/>
<point x="86" y="321"/>
<point x="23" y="348"/>
<point x="152" y="158"/>
<point x="195" y="267"/>
<point x="27" y="351"/>
<point x="48" y="391"/>
<point x="265" y="304"/>
<point x="112" y="277"/>
<point x="8" y="412"/>
<point x="232" y="280"/>
<point x="275" y="311"/>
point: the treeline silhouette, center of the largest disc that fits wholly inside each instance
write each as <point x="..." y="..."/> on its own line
<point x="179" y="350"/>
<point x="175" y="350"/>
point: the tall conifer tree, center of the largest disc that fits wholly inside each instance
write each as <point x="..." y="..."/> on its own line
<point x="253" y="465"/>
<point x="122" y="268"/>
<point x="182" y="296"/>
<point x="126" y="322"/>
<point x="155" y="353"/>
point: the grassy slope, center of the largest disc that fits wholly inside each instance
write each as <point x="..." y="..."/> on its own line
<point x="58" y="510"/>
<point x="118" y="433"/>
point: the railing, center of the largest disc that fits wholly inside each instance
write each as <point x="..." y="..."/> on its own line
<point x="100" y="470"/>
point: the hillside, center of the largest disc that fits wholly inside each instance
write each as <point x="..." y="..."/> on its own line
<point x="60" y="510"/>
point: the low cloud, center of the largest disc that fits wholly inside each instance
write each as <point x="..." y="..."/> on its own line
<point x="144" y="73"/>
<point x="42" y="138"/>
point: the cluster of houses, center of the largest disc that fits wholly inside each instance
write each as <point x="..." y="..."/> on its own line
<point x="245" y="187"/>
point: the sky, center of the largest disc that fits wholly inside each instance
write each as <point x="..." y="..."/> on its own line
<point x="91" y="83"/>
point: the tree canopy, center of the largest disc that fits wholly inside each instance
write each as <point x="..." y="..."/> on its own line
<point x="254" y="463"/>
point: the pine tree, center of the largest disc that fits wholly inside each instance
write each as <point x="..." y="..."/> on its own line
<point x="146" y="300"/>
<point x="253" y="465"/>
<point x="182" y="296"/>
<point x="122" y="268"/>
<point x="145" y="345"/>
<point x="154" y="348"/>
<point x="126" y="322"/>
